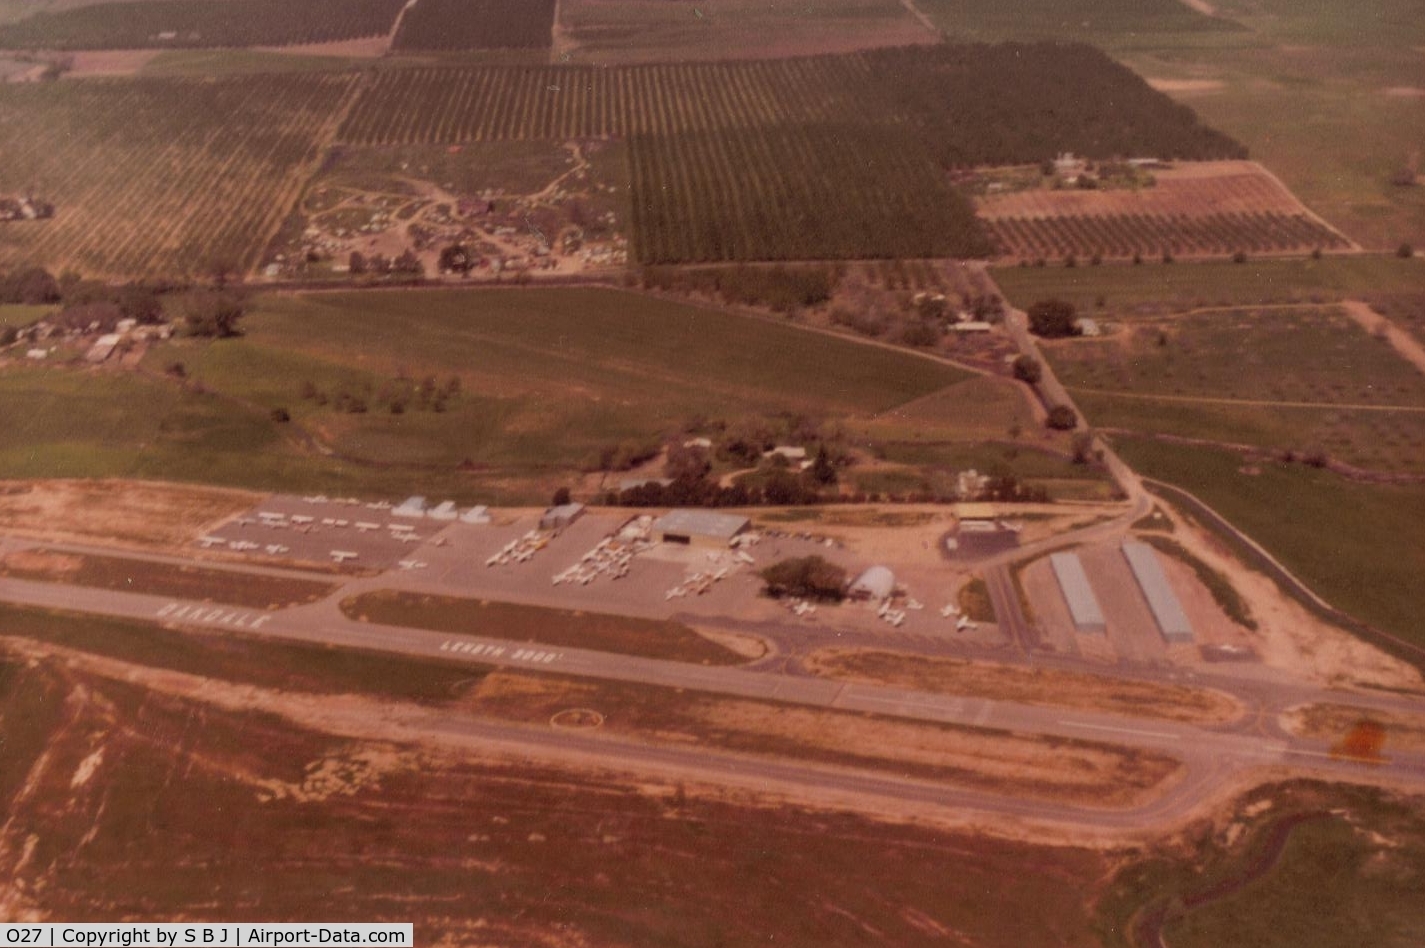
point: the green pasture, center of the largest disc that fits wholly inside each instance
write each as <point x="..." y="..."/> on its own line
<point x="1360" y="402"/>
<point x="18" y="314"/>
<point x="1334" y="885"/>
<point x="1155" y="288"/>
<point x="503" y="394"/>
<point x="243" y="62"/>
<point x="1353" y="543"/>
<point x="1293" y="354"/>
<point x="1386" y="441"/>
<point x="1107" y="23"/>
<point x="1305" y="865"/>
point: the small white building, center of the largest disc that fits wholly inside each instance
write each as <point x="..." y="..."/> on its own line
<point x="476" y="515"/>
<point x="445" y="510"/>
<point x="876" y="584"/>
<point x="413" y="507"/>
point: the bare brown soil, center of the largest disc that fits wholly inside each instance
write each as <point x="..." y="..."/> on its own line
<point x="1289" y="637"/>
<point x="131" y="513"/>
<point x="1029" y="685"/>
<point x="109" y="62"/>
<point x="1193" y="189"/>
<point x="1335" y="722"/>
<point x="1187" y="85"/>
<point x="163" y="579"/>
<point x="1084" y="773"/>
<point x="151" y="799"/>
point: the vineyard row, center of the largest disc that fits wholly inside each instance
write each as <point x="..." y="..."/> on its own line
<point x="1126" y="235"/>
<point x="159" y="178"/>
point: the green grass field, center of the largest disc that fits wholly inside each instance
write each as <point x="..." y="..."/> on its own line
<point x="242" y="62"/>
<point x="18" y="314"/>
<point x="1155" y="288"/>
<point x="1387" y="441"/>
<point x="544" y="381"/>
<point x="1295" y="354"/>
<point x="1313" y="866"/>
<point x="931" y="467"/>
<point x="1352" y="543"/>
<point x="1319" y="91"/>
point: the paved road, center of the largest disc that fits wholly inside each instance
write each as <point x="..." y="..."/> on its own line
<point x="1209" y="754"/>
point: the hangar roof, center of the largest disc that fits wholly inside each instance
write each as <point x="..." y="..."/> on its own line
<point x="701" y="523"/>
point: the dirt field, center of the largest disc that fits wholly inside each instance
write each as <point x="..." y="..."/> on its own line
<point x="1334" y="722"/>
<point x="162" y="579"/>
<point x="132" y="513"/>
<point x="1193" y="188"/>
<point x="1031" y="686"/>
<point x="1081" y="772"/>
<point x="108" y="62"/>
<point x="179" y="802"/>
<point x="1194" y="209"/>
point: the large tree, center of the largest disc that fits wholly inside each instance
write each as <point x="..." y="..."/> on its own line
<point x="1053" y="319"/>
<point x="806" y="577"/>
<point x="213" y="313"/>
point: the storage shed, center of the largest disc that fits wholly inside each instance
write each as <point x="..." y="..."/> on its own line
<point x="557" y="518"/>
<point x="1168" y="612"/>
<point x="1078" y="594"/>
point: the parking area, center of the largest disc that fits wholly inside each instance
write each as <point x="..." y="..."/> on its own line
<point x="607" y="561"/>
<point x="322" y="530"/>
<point x="604" y="561"/>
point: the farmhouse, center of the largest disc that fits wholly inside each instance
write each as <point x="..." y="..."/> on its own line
<point x="790" y="452"/>
<point x="702" y="528"/>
